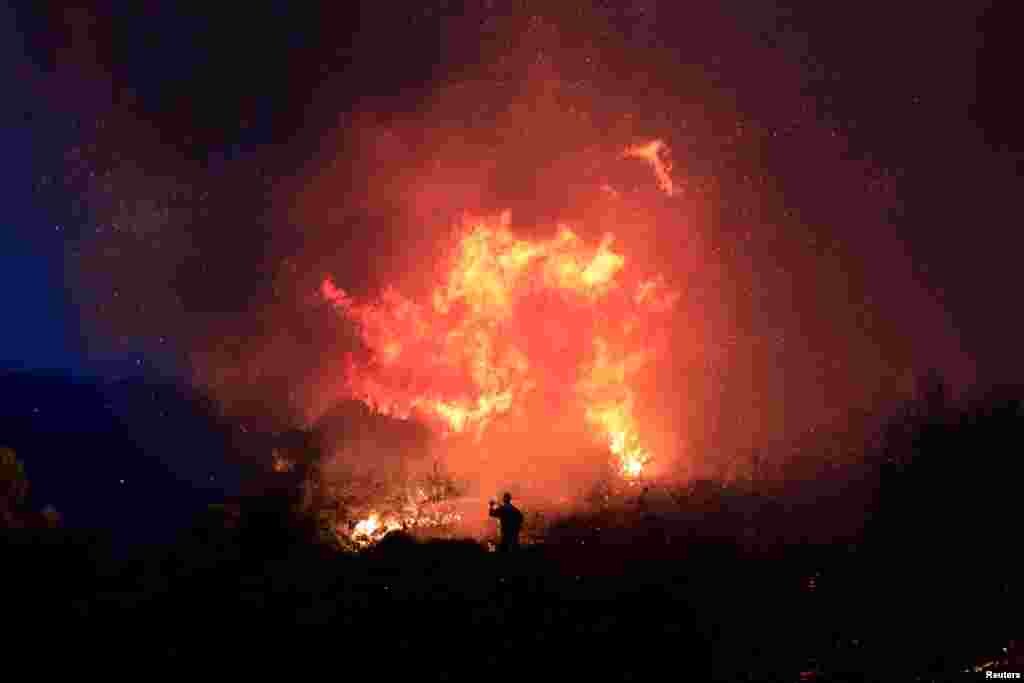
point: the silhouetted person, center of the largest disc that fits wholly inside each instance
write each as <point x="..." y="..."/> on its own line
<point x="511" y="522"/>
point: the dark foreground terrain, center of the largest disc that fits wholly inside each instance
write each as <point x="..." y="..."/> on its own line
<point x="432" y="610"/>
<point x="929" y="588"/>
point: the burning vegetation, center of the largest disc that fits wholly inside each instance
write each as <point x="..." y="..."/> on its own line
<point x="518" y="328"/>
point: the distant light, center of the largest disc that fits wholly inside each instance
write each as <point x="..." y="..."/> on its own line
<point x="122" y="481"/>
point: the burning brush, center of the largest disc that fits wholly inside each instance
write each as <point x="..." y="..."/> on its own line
<point x="511" y="322"/>
<point x="418" y="512"/>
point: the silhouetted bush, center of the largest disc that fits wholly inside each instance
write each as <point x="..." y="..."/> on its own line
<point x="722" y="588"/>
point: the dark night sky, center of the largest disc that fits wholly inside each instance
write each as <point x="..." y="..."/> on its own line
<point x="224" y="110"/>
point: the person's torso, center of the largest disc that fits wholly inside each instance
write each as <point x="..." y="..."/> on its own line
<point x="511" y="517"/>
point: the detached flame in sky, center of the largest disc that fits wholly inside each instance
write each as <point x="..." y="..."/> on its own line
<point x="554" y="324"/>
<point x="654" y="153"/>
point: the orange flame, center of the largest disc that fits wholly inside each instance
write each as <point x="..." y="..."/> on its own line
<point x="373" y="526"/>
<point x="513" y="321"/>
<point x="281" y="463"/>
<point x="414" y="514"/>
<point x="653" y="153"/>
<point x="610" y="405"/>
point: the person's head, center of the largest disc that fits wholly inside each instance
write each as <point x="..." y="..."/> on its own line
<point x="507" y="498"/>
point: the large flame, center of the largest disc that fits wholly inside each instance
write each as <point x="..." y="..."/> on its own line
<point x="514" y="321"/>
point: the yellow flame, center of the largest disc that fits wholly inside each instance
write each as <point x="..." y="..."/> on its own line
<point x="375" y="525"/>
<point x="605" y="389"/>
<point x="452" y="360"/>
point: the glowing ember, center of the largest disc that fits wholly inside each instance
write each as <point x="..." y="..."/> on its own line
<point x="281" y="463"/>
<point x="652" y="153"/>
<point x="556" y="324"/>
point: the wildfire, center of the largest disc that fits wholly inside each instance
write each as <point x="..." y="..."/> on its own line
<point x="373" y="527"/>
<point x="653" y="153"/>
<point x="511" y="322"/>
<point x="415" y="513"/>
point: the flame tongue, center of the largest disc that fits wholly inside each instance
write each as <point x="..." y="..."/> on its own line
<point x="513" y="318"/>
<point x="609" y="404"/>
<point x="653" y="152"/>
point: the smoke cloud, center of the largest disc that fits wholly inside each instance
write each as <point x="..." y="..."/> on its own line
<point x="790" y="283"/>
